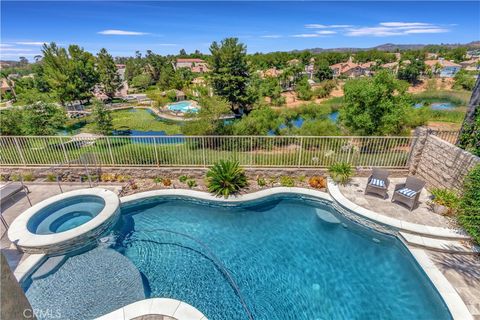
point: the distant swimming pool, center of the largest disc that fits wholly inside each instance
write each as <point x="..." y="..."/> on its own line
<point x="183" y="106"/>
<point x="291" y="257"/>
<point x="448" y="106"/>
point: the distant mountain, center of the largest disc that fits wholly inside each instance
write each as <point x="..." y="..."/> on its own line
<point x="395" y="47"/>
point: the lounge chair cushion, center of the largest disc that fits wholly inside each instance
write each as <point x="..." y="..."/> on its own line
<point x="377" y="183"/>
<point x="407" y="192"/>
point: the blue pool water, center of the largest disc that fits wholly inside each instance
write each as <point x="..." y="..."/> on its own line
<point x="182" y="106"/>
<point x="286" y="261"/>
<point x="65" y="215"/>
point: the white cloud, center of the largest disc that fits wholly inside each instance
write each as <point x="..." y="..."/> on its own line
<point x="30" y="43"/>
<point x="404" y="24"/>
<point x="307" y="35"/>
<point x="326" y="26"/>
<point x="114" y="32"/>
<point x="4" y="45"/>
<point x="15" y="49"/>
<point x="385" y="29"/>
<point x="271" y="36"/>
<point x="325" y="32"/>
<point x="431" y="30"/>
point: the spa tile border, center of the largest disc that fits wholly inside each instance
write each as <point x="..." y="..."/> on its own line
<point x="27" y="241"/>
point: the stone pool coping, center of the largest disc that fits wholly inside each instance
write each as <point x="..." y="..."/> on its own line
<point x="450" y="296"/>
<point x="158" y="306"/>
<point x="27" y="241"/>
<point x="395" y="224"/>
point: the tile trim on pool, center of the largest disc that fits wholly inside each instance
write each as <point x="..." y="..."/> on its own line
<point x="27" y="241"/>
<point x="158" y="306"/>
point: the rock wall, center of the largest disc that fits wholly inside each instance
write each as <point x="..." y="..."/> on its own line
<point x="439" y="163"/>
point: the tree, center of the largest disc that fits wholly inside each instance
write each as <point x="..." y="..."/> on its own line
<point x="101" y="118"/>
<point x="70" y="74"/>
<point x="322" y="70"/>
<point x="463" y="80"/>
<point x="209" y="118"/>
<point x="229" y="76"/>
<point x="11" y="124"/>
<point x="469" y="137"/>
<point x="108" y="75"/>
<point x="23" y="61"/>
<point x="42" y="119"/>
<point x="258" y="122"/>
<point x="411" y="71"/>
<point x="375" y="106"/>
<point x="142" y="81"/>
<point x="183" y="52"/>
<point x="303" y="89"/>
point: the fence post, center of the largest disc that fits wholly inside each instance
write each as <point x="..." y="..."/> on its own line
<point x="203" y="153"/>
<point x="300" y="153"/>
<point x="251" y="151"/>
<point x="156" y="152"/>
<point x="20" y="153"/>
<point x="64" y="152"/>
<point x="110" y="150"/>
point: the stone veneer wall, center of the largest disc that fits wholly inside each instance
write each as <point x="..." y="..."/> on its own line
<point x="439" y="163"/>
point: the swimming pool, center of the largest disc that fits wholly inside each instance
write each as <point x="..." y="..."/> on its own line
<point x="291" y="257"/>
<point x="182" y="106"/>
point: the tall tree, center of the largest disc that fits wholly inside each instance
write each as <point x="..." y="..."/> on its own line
<point x="71" y="73"/>
<point x="469" y="137"/>
<point x="42" y="119"/>
<point x="209" y="119"/>
<point x="322" y="70"/>
<point x="102" y="118"/>
<point x="375" y="106"/>
<point x="108" y="75"/>
<point x="229" y="76"/>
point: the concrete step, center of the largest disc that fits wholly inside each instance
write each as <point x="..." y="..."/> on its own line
<point x="442" y="245"/>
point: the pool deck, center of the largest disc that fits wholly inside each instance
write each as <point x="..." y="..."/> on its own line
<point x="461" y="270"/>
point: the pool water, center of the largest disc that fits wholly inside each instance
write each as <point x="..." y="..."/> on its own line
<point x="182" y="106"/>
<point x="291" y="258"/>
<point x="65" y="215"/>
<point x="447" y="106"/>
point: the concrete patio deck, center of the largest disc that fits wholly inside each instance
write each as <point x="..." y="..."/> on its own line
<point x="354" y="191"/>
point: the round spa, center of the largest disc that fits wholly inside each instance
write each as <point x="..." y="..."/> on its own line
<point x="65" y="222"/>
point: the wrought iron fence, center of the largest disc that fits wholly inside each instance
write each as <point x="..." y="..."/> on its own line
<point x="203" y="151"/>
<point x="446" y="135"/>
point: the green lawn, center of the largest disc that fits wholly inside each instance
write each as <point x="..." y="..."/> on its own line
<point x="141" y="120"/>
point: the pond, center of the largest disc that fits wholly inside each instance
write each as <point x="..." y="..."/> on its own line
<point x="442" y="106"/>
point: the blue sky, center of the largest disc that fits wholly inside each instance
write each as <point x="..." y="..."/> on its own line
<point x="167" y="27"/>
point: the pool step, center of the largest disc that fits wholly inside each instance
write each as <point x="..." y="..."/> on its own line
<point x="442" y="245"/>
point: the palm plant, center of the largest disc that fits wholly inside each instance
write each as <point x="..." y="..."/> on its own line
<point x="226" y="177"/>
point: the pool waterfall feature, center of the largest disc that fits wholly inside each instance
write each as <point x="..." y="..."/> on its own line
<point x="307" y="265"/>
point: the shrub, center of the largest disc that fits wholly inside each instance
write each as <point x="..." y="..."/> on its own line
<point x="261" y="182"/>
<point x="121" y="178"/>
<point x="28" y="176"/>
<point x="318" y="182"/>
<point x="191" y="183"/>
<point x="108" y="177"/>
<point x="301" y="178"/>
<point x="226" y="178"/>
<point x="469" y="214"/>
<point x="341" y="172"/>
<point x="183" y="179"/>
<point x="157" y="180"/>
<point x="15" y="177"/>
<point x="445" y="197"/>
<point x="287" y="181"/>
<point x="166" y="182"/>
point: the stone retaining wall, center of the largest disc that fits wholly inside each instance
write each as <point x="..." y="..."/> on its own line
<point x="440" y="163"/>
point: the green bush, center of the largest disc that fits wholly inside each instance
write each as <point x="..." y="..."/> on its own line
<point x="183" y="179"/>
<point x="28" y="176"/>
<point x="226" y="178"/>
<point x="287" y="181"/>
<point x="261" y="182"/>
<point x="341" y="172"/>
<point x="445" y="197"/>
<point x="469" y="214"/>
<point x="191" y="183"/>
